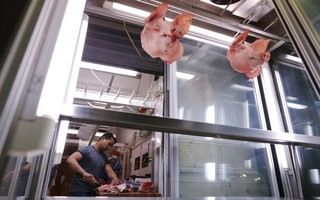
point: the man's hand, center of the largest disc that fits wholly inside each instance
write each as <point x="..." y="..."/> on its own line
<point x="8" y="176"/>
<point x="115" y="181"/>
<point x="89" y="178"/>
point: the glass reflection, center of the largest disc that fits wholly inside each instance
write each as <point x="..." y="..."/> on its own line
<point x="215" y="93"/>
<point x="16" y="173"/>
<point x="309" y="171"/>
<point x="222" y="168"/>
<point x="311" y="11"/>
<point x="303" y="107"/>
<point x="302" y="102"/>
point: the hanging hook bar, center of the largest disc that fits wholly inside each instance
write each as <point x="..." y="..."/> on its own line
<point x="101" y="93"/>
<point x="134" y="90"/>
<point x="224" y="10"/>
<point x="85" y="89"/>
<point x="117" y="95"/>
<point x="144" y="101"/>
<point x="274" y="21"/>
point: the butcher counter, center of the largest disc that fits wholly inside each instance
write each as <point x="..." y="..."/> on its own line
<point x="127" y="194"/>
<point x="166" y="198"/>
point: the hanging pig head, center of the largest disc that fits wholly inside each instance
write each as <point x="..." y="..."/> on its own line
<point x="160" y="38"/>
<point x="248" y="58"/>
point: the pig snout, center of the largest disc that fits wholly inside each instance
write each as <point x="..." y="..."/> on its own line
<point x="265" y="56"/>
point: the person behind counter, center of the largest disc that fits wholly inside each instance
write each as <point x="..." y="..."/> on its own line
<point x="88" y="163"/>
<point x="116" y="165"/>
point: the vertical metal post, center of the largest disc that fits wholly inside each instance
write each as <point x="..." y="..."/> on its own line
<point x="166" y="136"/>
<point x="15" y="177"/>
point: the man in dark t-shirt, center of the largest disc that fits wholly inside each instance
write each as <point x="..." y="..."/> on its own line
<point x="88" y="163"/>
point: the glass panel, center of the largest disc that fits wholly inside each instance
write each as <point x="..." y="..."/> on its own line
<point x="15" y="177"/>
<point x="217" y="93"/>
<point x="310" y="172"/>
<point x="216" y="167"/>
<point x="311" y="10"/>
<point x="301" y="100"/>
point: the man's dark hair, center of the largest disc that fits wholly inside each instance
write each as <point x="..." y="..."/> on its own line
<point x="108" y="136"/>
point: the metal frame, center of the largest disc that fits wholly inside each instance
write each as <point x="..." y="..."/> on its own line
<point x="277" y="123"/>
<point x="294" y="171"/>
<point x="84" y="114"/>
<point x="308" y="51"/>
<point x="262" y="115"/>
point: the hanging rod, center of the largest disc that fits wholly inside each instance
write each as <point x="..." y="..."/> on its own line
<point x="176" y="7"/>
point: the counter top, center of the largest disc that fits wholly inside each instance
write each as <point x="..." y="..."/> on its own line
<point x="168" y="198"/>
<point x="128" y="194"/>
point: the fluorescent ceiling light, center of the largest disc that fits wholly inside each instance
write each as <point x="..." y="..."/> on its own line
<point x="293" y="58"/>
<point x="210" y="171"/>
<point x="106" y="68"/>
<point x="211" y="34"/>
<point x="131" y="10"/>
<point x="290" y="98"/>
<point x="241" y="87"/>
<point x="184" y="75"/>
<point x="75" y="132"/>
<point x="210" y="114"/>
<point x="296" y="106"/>
<point x="192" y="28"/>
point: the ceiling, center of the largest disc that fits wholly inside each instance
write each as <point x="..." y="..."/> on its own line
<point x="259" y="16"/>
<point x="108" y="43"/>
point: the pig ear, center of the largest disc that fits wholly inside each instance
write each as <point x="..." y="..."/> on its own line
<point x="241" y="37"/>
<point x="158" y="13"/>
<point x="260" y="45"/>
<point x="181" y="24"/>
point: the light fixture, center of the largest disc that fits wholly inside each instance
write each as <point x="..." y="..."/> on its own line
<point x="212" y="34"/>
<point x="210" y="114"/>
<point x="184" y="75"/>
<point x="290" y="98"/>
<point x="75" y="132"/>
<point x="292" y="58"/>
<point x="131" y="10"/>
<point x="296" y="106"/>
<point x="210" y="171"/>
<point x="62" y="61"/>
<point x="106" y="68"/>
<point x="192" y="29"/>
<point x="241" y="87"/>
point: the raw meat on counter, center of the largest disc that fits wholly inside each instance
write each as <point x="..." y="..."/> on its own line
<point x="129" y="186"/>
<point x="113" y="188"/>
<point x="147" y="187"/>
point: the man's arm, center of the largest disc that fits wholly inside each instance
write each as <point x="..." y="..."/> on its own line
<point x="73" y="163"/>
<point x="112" y="175"/>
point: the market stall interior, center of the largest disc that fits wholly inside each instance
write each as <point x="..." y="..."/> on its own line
<point x="115" y="41"/>
<point x="223" y="140"/>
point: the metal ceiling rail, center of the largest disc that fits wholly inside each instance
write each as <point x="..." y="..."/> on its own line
<point x="152" y="123"/>
<point x="176" y="7"/>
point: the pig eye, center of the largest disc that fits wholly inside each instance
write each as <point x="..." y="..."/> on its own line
<point x="163" y="19"/>
<point x="242" y="42"/>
